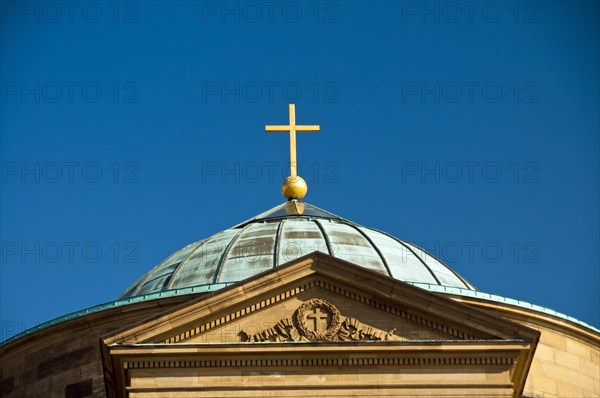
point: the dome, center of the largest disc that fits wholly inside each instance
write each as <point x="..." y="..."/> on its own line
<point x="285" y="233"/>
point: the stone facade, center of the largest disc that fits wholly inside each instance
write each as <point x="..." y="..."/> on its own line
<point x="564" y="366"/>
<point x="567" y="358"/>
<point x="360" y="334"/>
<point x="65" y="360"/>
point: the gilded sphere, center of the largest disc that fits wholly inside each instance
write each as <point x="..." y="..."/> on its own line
<point x="294" y="187"/>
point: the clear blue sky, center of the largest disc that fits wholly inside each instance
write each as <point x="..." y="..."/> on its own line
<point x="134" y="130"/>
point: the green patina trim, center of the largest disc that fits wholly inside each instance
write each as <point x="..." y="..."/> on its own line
<point x="118" y="303"/>
<point x="500" y="299"/>
<point x="214" y="287"/>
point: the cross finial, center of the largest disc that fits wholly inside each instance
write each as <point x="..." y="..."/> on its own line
<point x="292" y="128"/>
<point x="293" y="187"/>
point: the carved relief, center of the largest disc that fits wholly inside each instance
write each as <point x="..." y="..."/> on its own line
<point x="318" y="320"/>
<point x="283" y="330"/>
<point x="352" y="329"/>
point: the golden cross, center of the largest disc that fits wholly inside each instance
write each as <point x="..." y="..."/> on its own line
<point x="292" y="128"/>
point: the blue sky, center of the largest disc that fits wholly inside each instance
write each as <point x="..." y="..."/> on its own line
<point x="131" y="129"/>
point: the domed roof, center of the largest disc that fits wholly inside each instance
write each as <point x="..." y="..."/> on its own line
<point x="282" y="234"/>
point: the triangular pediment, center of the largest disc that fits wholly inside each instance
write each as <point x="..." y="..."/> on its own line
<point x="320" y="311"/>
<point x="321" y="298"/>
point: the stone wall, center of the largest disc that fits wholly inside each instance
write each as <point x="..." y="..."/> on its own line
<point x="566" y="363"/>
<point x="563" y="366"/>
<point x="64" y="360"/>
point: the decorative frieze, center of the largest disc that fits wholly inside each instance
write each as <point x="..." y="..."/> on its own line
<point x="318" y="320"/>
<point x="304" y="362"/>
